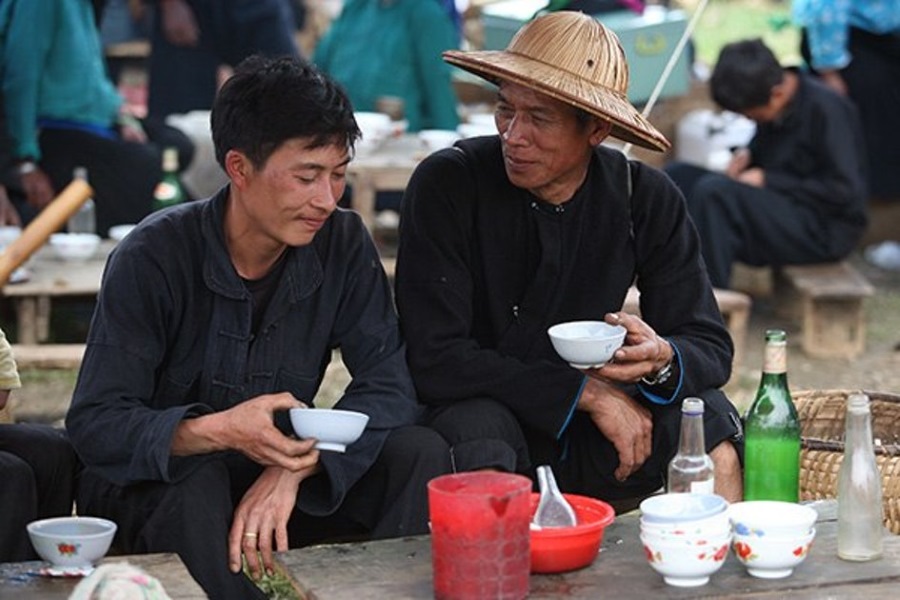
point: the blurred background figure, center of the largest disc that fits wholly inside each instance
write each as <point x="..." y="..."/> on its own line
<point x="191" y="39"/>
<point x="63" y="112"/>
<point x="797" y="193"/>
<point x="854" y="46"/>
<point x="391" y="49"/>
<point x="38" y="468"/>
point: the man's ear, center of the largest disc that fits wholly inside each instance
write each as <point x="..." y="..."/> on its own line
<point x="600" y="130"/>
<point x="237" y="167"/>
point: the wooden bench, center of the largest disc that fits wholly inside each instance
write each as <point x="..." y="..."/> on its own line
<point x="827" y="299"/>
<point x="48" y="356"/>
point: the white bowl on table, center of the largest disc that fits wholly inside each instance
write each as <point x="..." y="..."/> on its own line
<point x="586" y="344"/>
<point x="117" y="233"/>
<point x="67" y="542"/>
<point x="334" y="429"/>
<point x="375" y="127"/>
<point x="436" y="139"/>
<point x="75" y="247"/>
<point x="772" y="557"/>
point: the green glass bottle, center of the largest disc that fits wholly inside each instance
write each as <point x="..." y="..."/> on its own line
<point x="169" y="191"/>
<point x="772" y="431"/>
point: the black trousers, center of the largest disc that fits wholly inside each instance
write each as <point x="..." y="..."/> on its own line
<point x="38" y="470"/>
<point x="123" y="174"/>
<point x="873" y="83"/>
<point x="757" y="226"/>
<point x="192" y="517"/>
<point x="483" y="433"/>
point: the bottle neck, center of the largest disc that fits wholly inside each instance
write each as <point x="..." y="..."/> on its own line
<point x="858" y="429"/>
<point x="691" y="441"/>
<point x="775" y="360"/>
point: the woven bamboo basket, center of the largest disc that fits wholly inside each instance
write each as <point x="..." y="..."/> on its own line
<point x="822" y="445"/>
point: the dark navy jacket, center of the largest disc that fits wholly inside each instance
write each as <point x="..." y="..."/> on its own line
<point x="171" y="339"/>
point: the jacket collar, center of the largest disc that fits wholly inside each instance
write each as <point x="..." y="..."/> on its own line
<point x="303" y="270"/>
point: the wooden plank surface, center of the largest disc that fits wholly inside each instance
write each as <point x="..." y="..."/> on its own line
<point x="838" y="280"/>
<point x="23" y="580"/>
<point x="402" y="569"/>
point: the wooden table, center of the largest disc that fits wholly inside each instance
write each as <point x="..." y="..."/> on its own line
<point x="401" y="568"/>
<point x="386" y="169"/>
<point x="50" y="278"/>
<point x="22" y="580"/>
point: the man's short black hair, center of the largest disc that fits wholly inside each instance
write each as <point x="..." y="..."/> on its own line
<point x="271" y="100"/>
<point x="744" y="76"/>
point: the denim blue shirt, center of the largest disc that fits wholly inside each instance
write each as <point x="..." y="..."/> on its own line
<point x="171" y="339"/>
<point x="827" y="23"/>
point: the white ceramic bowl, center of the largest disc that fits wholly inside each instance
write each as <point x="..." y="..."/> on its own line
<point x="468" y="130"/>
<point x="74" y="247"/>
<point x="333" y="428"/>
<point x="762" y="518"/>
<point x="714" y="525"/>
<point x="375" y="128"/>
<point x="681" y="507"/>
<point x="435" y="139"/>
<point x="684" y="566"/>
<point x="8" y="234"/>
<point x="71" y="541"/>
<point x="118" y="232"/>
<point x="586" y="344"/>
<point x="771" y="557"/>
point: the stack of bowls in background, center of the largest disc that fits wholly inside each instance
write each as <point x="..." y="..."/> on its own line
<point x="772" y="537"/>
<point x="685" y="536"/>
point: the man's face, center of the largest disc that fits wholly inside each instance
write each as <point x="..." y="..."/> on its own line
<point x="546" y="149"/>
<point x="288" y="199"/>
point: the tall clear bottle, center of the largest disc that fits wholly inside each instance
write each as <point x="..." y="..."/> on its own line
<point x="84" y="220"/>
<point x="691" y="470"/>
<point x="772" y="431"/>
<point x="860" y="517"/>
<point x="169" y="191"/>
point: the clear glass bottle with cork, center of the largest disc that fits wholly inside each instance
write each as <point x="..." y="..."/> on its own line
<point x="772" y="431"/>
<point x="691" y="470"/>
<point x="860" y="510"/>
<point x="84" y="220"/>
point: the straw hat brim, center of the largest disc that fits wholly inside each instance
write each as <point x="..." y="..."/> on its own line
<point x="502" y="65"/>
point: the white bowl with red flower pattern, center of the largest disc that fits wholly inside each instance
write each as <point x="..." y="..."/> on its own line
<point x="772" y="556"/>
<point x="689" y="561"/>
<point x="71" y="541"/>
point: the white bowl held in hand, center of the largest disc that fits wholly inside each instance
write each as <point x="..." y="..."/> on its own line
<point x="333" y="429"/>
<point x="75" y="247"/>
<point x="586" y="344"/>
<point x="71" y="541"/>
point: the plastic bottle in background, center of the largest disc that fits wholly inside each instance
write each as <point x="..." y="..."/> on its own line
<point x="691" y="470"/>
<point x="85" y="219"/>
<point x="860" y="516"/>
<point x="168" y="191"/>
<point x="772" y="431"/>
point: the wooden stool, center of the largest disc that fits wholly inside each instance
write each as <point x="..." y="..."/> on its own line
<point x="828" y="301"/>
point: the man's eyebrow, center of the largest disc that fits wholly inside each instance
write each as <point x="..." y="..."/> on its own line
<point x="319" y="166"/>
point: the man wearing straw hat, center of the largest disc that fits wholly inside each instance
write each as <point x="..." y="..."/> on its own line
<point x="503" y="236"/>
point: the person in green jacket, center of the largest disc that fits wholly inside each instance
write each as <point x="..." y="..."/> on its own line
<point x="392" y="48"/>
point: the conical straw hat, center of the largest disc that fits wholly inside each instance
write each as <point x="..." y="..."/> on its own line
<point x="572" y="57"/>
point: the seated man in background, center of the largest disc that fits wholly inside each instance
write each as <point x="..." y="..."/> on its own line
<point x="63" y="112"/>
<point x="215" y="318"/>
<point x="503" y="236"/>
<point x="797" y="193"/>
<point x="38" y="469"/>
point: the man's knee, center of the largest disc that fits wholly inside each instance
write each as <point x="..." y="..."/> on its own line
<point x="483" y="434"/>
<point x="729" y="475"/>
